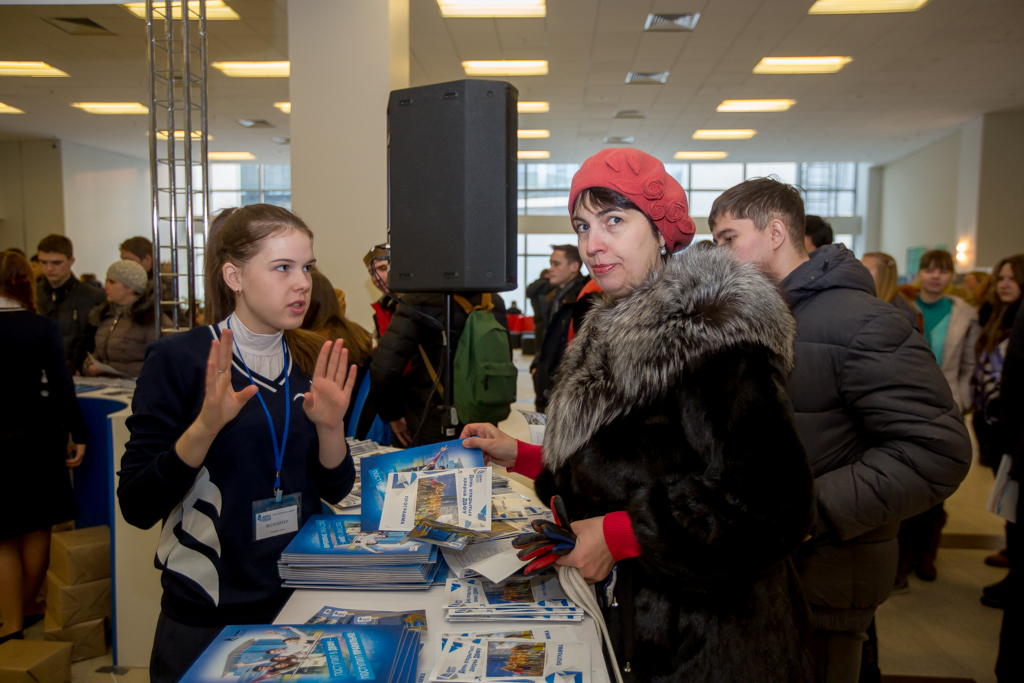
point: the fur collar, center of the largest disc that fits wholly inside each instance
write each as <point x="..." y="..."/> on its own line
<point x="631" y="352"/>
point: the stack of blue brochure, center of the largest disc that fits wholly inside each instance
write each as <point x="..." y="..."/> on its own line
<point x="330" y="551"/>
<point x="349" y="653"/>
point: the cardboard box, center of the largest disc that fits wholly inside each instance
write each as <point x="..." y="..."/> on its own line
<point x="35" y="661"/>
<point x="67" y="605"/>
<point x="88" y="639"/>
<point x="81" y="555"/>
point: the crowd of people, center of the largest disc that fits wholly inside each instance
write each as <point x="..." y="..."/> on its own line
<point x="754" y="436"/>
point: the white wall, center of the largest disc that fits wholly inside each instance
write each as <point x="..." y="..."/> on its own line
<point x="107" y="199"/>
<point x="31" y="201"/>
<point x="919" y="199"/>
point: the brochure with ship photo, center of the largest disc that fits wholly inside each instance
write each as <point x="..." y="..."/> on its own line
<point x="525" y="661"/>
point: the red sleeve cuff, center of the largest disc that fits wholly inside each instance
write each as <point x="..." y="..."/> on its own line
<point x="529" y="460"/>
<point x="618" y="534"/>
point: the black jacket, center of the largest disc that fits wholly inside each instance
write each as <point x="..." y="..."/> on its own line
<point x="883" y="434"/>
<point x="672" y="407"/>
<point x="400" y="384"/>
<point x="70" y="305"/>
<point x="559" y="317"/>
<point x="537" y="292"/>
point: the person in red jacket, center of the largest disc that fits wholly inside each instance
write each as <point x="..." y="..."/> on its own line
<point x="671" y="441"/>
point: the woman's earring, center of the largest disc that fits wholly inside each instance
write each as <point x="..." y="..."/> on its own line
<point x="663" y="250"/>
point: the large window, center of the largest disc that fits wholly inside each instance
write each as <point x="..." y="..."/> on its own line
<point x="829" y="188"/>
<point x="242" y="184"/>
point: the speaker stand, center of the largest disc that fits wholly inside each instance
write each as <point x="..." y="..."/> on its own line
<point x="449" y="418"/>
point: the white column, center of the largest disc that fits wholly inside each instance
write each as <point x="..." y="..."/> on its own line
<point x="968" y="187"/>
<point x="346" y="56"/>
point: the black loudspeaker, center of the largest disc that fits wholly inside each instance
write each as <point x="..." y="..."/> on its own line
<point x="452" y="217"/>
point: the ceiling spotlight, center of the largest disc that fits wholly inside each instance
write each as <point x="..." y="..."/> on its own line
<point x="8" y="109"/>
<point x="286" y="107"/>
<point x="533" y="155"/>
<point x="533" y="134"/>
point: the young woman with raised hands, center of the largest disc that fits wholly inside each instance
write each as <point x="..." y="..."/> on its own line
<point x="670" y="439"/>
<point x="219" y="451"/>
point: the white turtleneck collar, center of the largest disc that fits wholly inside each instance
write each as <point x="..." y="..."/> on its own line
<point x="263" y="353"/>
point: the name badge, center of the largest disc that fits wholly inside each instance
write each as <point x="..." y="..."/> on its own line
<point x="271" y="517"/>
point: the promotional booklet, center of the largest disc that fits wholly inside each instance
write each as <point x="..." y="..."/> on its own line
<point x="375" y="469"/>
<point x="537" y="598"/>
<point x="348" y="653"/>
<point x="512" y="659"/>
<point x="331" y="551"/>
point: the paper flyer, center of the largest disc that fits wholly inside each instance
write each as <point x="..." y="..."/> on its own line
<point x="460" y="498"/>
<point x="494" y="559"/>
<point x="527" y="633"/>
<point x="487" y="659"/>
<point x="538" y="423"/>
<point x="375" y="469"/>
<point x="531" y="592"/>
<point x="416" y="620"/>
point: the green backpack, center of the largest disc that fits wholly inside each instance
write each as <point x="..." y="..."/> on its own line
<point x="483" y="373"/>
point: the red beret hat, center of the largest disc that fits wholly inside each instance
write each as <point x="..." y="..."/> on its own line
<point x="642" y="179"/>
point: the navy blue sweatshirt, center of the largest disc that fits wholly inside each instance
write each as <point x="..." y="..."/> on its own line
<point x="214" y="573"/>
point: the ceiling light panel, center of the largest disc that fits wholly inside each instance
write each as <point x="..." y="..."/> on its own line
<point x="671" y="22"/>
<point x="535" y="134"/>
<point x="699" y="156"/>
<point x="865" y="6"/>
<point x="231" y="156"/>
<point x="475" y="9"/>
<point x="518" y="67"/>
<point x="646" y="78"/>
<point x="31" y="69"/>
<point x="630" y="114"/>
<point x="216" y="10"/>
<point x="724" y="134"/>
<point x="533" y="107"/>
<point x="286" y="107"/>
<point x="254" y="69"/>
<point x="801" y="65"/>
<point x="111" y="107"/>
<point x="8" y="109"/>
<point x="619" y="139"/>
<point x="78" y="26"/>
<point x="180" y="135"/>
<point x="755" y="105"/>
<point x="526" y="155"/>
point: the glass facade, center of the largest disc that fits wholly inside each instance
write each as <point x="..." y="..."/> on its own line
<point x="242" y="184"/>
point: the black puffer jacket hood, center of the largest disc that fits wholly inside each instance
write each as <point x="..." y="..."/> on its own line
<point x="830" y="267"/>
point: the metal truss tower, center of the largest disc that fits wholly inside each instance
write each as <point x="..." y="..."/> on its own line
<point x="179" y="169"/>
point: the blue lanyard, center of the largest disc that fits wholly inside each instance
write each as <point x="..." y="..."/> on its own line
<point x="278" y="451"/>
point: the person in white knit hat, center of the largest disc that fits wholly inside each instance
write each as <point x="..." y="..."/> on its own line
<point x="124" y="324"/>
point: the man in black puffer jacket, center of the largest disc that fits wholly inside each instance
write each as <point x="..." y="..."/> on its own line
<point x="882" y="432"/>
<point x="401" y="382"/>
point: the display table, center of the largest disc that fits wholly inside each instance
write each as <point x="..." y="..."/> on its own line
<point x="305" y="603"/>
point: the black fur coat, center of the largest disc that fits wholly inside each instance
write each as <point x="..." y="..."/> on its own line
<point x="672" y="407"/>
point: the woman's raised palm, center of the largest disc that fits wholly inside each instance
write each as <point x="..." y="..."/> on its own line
<point x="329" y="395"/>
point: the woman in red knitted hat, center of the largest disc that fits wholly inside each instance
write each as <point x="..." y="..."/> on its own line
<point x="670" y="439"/>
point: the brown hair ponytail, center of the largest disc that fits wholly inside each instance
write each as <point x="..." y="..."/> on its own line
<point x="235" y="237"/>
